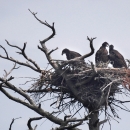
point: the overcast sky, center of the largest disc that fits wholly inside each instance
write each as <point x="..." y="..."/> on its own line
<point x="108" y="20"/>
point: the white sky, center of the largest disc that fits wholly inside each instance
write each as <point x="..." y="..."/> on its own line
<point x="108" y="20"/>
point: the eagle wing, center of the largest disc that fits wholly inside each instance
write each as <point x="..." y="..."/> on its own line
<point x="73" y="54"/>
<point x="101" y="55"/>
<point x="118" y="59"/>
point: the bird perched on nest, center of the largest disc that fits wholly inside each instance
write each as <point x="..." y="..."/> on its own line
<point x="117" y="60"/>
<point x="101" y="57"/>
<point x="70" y="54"/>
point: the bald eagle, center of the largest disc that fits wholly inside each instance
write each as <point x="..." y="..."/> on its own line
<point x="101" y="57"/>
<point x="117" y="60"/>
<point x="70" y="54"/>
<point x="80" y="65"/>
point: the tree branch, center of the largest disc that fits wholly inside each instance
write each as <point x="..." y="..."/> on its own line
<point x="44" y="48"/>
<point x="70" y="126"/>
<point x="34" y="108"/>
<point x="24" y="54"/>
<point x="14" y="98"/>
<point x="12" y="87"/>
<point x="102" y="122"/>
<point x="81" y="57"/>
<point x="52" y="50"/>
<point x="46" y="24"/>
<point x="20" y="63"/>
<point x="32" y="119"/>
<point x="8" y="73"/>
<point x="5" y="52"/>
<point x="12" y="122"/>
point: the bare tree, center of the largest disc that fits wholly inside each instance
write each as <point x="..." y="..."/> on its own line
<point x="73" y="84"/>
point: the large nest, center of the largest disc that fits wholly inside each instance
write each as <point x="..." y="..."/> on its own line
<point x="96" y="87"/>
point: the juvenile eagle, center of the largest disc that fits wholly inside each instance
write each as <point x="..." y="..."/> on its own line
<point x="101" y="57"/>
<point x="117" y="60"/>
<point x="70" y="54"/>
<point x="80" y="65"/>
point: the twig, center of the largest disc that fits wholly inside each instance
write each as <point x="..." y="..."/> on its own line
<point x="8" y="73"/>
<point x="13" y="122"/>
<point x="5" y="51"/>
<point x="52" y="50"/>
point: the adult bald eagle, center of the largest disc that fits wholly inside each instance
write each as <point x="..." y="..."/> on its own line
<point x="117" y="60"/>
<point x="70" y="54"/>
<point x="101" y="57"/>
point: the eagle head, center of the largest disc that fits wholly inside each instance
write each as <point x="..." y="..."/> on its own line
<point x="105" y="44"/>
<point x="65" y="51"/>
<point x="111" y="47"/>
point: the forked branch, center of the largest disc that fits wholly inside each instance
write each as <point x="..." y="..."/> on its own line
<point x="8" y="73"/>
<point x="19" y="62"/>
<point x="44" y="48"/>
<point x="22" y="52"/>
<point x="46" y="24"/>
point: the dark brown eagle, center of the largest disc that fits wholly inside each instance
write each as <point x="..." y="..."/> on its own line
<point x="117" y="60"/>
<point x="70" y="54"/>
<point x="81" y="64"/>
<point x="101" y="57"/>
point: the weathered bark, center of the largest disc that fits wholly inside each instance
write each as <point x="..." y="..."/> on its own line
<point x="94" y="121"/>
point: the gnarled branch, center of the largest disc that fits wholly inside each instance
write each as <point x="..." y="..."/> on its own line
<point x="44" y="48"/>
<point x="18" y="62"/>
<point x="24" y="54"/>
<point x="33" y="119"/>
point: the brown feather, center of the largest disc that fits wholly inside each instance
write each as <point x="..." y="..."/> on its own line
<point x="102" y="55"/>
<point x="116" y="58"/>
<point x="70" y="54"/>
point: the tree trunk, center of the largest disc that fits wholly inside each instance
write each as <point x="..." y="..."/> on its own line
<point x="93" y="121"/>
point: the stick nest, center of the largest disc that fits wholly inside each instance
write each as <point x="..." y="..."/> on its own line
<point x="96" y="87"/>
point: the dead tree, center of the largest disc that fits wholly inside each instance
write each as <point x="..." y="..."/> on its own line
<point x="72" y="83"/>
